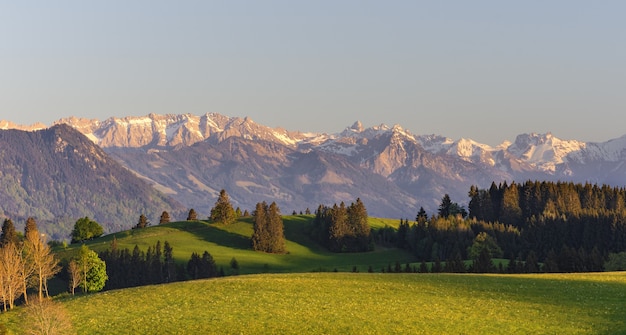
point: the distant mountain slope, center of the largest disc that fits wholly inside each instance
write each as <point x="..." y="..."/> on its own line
<point x="57" y="175"/>
<point x="394" y="172"/>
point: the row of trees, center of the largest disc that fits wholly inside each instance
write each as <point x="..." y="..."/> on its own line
<point x="25" y="262"/>
<point x="126" y="268"/>
<point x="343" y="229"/>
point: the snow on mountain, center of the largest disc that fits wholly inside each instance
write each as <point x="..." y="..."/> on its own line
<point x="381" y="147"/>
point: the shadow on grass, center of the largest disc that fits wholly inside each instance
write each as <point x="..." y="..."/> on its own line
<point x="212" y="233"/>
<point x="601" y="300"/>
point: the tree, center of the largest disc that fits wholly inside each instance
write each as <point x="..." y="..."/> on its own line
<point x="92" y="269"/>
<point x="444" y="207"/>
<point x="9" y="235"/>
<point x="192" y="216"/>
<point x="12" y="277"/>
<point x="43" y="262"/>
<point x="268" y="229"/>
<point x="421" y="217"/>
<point x="165" y="218"/>
<point x="616" y="262"/>
<point x="223" y="211"/>
<point x="484" y="241"/>
<point x="142" y="223"/>
<point x="45" y="316"/>
<point x="74" y="274"/>
<point x="86" y="229"/>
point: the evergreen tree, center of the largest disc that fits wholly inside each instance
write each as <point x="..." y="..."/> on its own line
<point x="9" y="234"/>
<point x="165" y="218"/>
<point x="402" y="235"/>
<point x="192" y="216"/>
<point x="260" y="235"/>
<point x="142" y="223"/>
<point x="268" y="235"/>
<point x="483" y="264"/>
<point x="445" y="206"/>
<point x="421" y="217"/>
<point x="169" y="267"/>
<point x="223" y="211"/>
<point x="276" y="229"/>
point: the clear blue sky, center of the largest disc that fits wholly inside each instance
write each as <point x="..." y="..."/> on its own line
<point x="486" y="70"/>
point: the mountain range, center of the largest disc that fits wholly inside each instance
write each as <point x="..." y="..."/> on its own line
<point x="188" y="159"/>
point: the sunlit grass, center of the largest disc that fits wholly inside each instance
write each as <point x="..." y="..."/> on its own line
<point x="360" y="303"/>
<point x="233" y="241"/>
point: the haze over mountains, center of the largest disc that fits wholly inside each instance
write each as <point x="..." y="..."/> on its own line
<point x="189" y="158"/>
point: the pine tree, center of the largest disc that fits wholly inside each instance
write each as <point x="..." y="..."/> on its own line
<point x="275" y="229"/>
<point x="165" y="218"/>
<point x="169" y="267"/>
<point x="421" y="217"/>
<point x="268" y="235"/>
<point x="9" y="235"/>
<point x="260" y="235"/>
<point x="142" y="223"/>
<point x="223" y="211"/>
<point x="444" y="207"/>
<point x="192" y="216"/>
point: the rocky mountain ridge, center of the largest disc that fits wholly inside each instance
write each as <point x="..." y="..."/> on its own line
<point x="190" y="158"/>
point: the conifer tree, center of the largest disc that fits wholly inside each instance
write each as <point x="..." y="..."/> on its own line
<point x="223" y="211"/>
<point x="444" y="207"/>
<point x="260" y="235"/>
<point x="268" y="229"/>
<point x="142" y="223"/>
<point x="9" y="235"/>
<point x="165" y="218"/>
<point x="421" y="217"/>
<point x="275" y="229"/>
<point x="192" y="216"/>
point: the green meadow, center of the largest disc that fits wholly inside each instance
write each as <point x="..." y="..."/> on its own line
<point x="297" y="293"/>
<point x="357" y="303"/>
<point x="225" y="242"/>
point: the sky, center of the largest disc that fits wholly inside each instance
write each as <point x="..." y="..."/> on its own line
<point x="484" y="70"/>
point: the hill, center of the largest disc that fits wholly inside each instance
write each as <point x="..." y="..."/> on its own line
<point x="57" y="175"/>
<point x="225" y="242"/>
<point x="356" y="303"/>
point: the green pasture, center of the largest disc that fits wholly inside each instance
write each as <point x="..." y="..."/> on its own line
<point x="357" y="303"/>
<point x="225" y="242"/>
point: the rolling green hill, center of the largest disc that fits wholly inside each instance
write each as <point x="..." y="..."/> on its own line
<point x="226" y="242"/>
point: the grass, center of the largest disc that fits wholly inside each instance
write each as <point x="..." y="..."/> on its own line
<point x="226" y="242"/>
<point x="358" y="303"/>
<point x="293" y="300"/>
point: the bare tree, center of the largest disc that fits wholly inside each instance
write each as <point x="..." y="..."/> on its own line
<point x="75" y="274"/>
<point x="45" y="316"/>
<point x="11" y="274"/>
<point x="43" y="262"/>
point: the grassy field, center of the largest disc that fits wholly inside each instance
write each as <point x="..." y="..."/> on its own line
<point x="357" y="303"/>
<point x="296" y="298"/>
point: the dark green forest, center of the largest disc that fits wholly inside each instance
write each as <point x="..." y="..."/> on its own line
<point x="565" y="226"/>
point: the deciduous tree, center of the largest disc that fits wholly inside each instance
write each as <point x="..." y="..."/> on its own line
<point x="86" y="229"/>
<point x="92" y="269"/>
<point x="43" y="262"/>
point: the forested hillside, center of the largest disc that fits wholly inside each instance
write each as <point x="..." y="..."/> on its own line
<point x="57" y="175"/>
